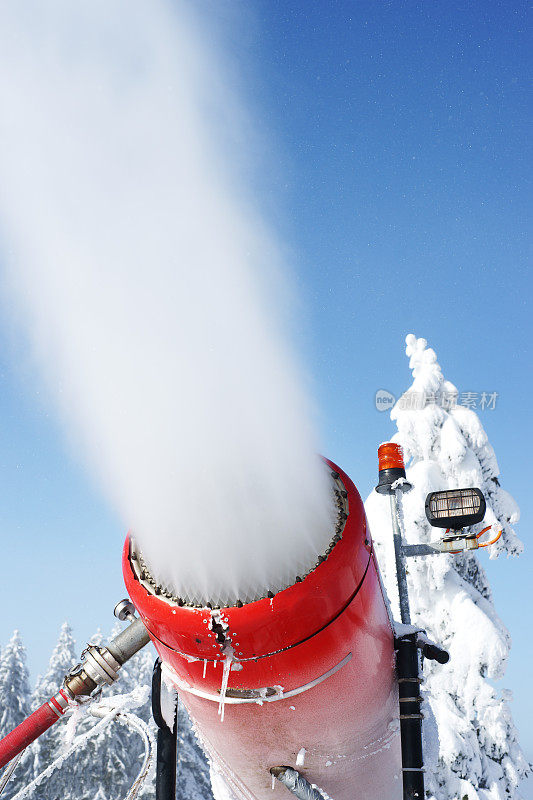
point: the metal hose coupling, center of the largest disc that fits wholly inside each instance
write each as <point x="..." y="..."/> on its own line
<point x="99" y="665"/>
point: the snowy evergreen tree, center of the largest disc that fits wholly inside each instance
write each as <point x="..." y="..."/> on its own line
<point x="46" y="748"/>
<point x="14" y="702"/>
<point x="14" y="686"/>
<point x="63" y="657"/>
<point x="105" y="765"/>
<point x="445" y="447"/>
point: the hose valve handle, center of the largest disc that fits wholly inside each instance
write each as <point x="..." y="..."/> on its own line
<point x="125" y="610"/>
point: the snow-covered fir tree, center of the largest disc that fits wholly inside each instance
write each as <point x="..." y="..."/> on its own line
<point x="107" y="764"/>
<point x="14" y="700"/>
<point x="478" y="755"/>
<point x="63" y="657"/>
<point x="42" y="752"/>
<point x="14" y="686"/>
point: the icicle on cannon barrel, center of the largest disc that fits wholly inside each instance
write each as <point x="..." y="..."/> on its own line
<point x="304" y="677"/>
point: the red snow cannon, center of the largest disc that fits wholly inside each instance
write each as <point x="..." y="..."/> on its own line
<point x="303" y="678"/>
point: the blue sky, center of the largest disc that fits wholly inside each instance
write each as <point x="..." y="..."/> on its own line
<point x="394" y="165"/>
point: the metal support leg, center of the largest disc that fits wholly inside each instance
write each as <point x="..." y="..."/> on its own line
<point x="167" y="743"/>
<point x="407" y="664"/>
<point x="408" y="669"/>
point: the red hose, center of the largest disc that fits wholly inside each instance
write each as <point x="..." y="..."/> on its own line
<point x="32" y="727"/>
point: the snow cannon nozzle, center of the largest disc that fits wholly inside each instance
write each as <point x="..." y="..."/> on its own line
<point x="391" y="469"/>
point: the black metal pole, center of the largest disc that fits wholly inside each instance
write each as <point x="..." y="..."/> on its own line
<point x="409" y="680"/>
<point x="408" y="669"/>
<point x="410" y="646"/>
<point x="401" y="576"/>
<point x="167" y="743"/>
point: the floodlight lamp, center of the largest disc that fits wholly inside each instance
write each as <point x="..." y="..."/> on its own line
<point x="455" y="508"/>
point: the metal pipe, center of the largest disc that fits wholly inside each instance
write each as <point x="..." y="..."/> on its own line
<point x="297" y="784"/>
<point x="129" y="641"/>
<point x="400" y="561"/>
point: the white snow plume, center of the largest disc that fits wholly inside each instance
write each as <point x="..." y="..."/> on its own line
<point x="150" y="290"/>
<point x="476" y="755"/>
